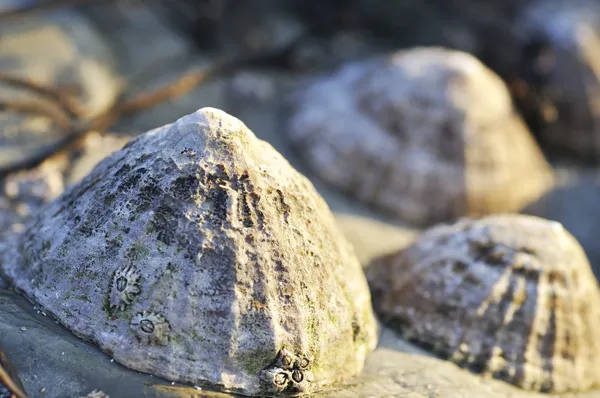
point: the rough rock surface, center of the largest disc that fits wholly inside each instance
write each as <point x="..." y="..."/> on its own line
<point x="427" y="134"/>
<point x="199" y="255"/>
<point x="61" y="50"/>
<point x="511" y="296"/>
<point x="24" y="192"/>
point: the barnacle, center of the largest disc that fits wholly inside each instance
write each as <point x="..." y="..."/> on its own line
<point x="511" y="296"/>
<point x="151" y="328"/>
<point x="288" y="372"/>
<point x="124" y="287"/>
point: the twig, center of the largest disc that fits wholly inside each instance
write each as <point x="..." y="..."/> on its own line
<point x="10" y="382"/>
<point x="60" y="95"/>
<point x="124" y="107"/>
<point x="37" y="107"/>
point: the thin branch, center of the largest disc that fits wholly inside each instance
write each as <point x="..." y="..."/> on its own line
<point x="37" y="108"/>
<point x="13" y="384"/>
<point x="61" y="95"/>
<point x="124" y="107"/>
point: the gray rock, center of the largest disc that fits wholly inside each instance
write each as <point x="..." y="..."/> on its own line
<point x="199" y="255"/>
<point x="428" y="135"/>
<point x="558" y="61"/>
<point x="60" y="50"/>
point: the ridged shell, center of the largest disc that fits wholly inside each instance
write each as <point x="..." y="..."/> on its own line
<point x="511" y="296"/>
<point x="428" y="134"/>
<point x="198" y="254"/>
<point x="561" y="66"/>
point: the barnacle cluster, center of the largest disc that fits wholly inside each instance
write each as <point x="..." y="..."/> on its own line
<point x="288" y="372"/>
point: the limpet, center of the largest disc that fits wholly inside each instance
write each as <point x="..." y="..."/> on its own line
<point x="161" y="257"/>
<point x="510" y="296"/>
<point x="427" y="134"/>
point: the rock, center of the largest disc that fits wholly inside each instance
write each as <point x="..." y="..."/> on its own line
<point x="509" y="296"/>
<point x="198" y="254"/>
<point x="24" y="192"/>
<point x="60" y="50"/>
<point x="560" y="75"/>
<point x="428" y="135"/>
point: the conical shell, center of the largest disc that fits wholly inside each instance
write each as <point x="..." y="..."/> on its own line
<point x="561" y="66"/>
<point x="198" y="254"/>
<point x="428" y="134"/>
<point x="510" y="296"/>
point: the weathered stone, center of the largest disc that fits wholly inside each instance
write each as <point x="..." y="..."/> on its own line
<point x="559" y="69"/>
<point x="427" y="134"/>
<point x="509" y="296"/>
<point x="197" y="254"/>
<point x="60" y="50"/>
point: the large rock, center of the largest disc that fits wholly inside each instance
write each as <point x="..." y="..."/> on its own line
<point x="559" y="69"/>
<point x="199" y="255"/>
<point x="428" y="135"/>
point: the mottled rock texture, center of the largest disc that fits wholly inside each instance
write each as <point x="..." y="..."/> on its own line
<point x="59" y="50"/>
<point x="198" y="254"/>
<point x="510" y="296"/>
<point x="428" y="134"/>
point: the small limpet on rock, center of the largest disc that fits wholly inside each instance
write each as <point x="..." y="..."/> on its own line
<point x="151" y="328"/>
<point x="427" y="134"/>
<point x="197" y="244"/>
<point x="125" y="286"/>
<point x="509" y="296"/>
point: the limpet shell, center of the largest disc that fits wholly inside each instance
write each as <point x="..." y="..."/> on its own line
<point x="428" y="134"/>
<point x="510" y="296"/>
<point x="198" y="254"/>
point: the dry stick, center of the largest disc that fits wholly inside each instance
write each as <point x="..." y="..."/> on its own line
<point x="37" y="107"/>
<point x="65" y="99"/>
<point x="122" y="107"/>
<point x="13" y="385"/>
